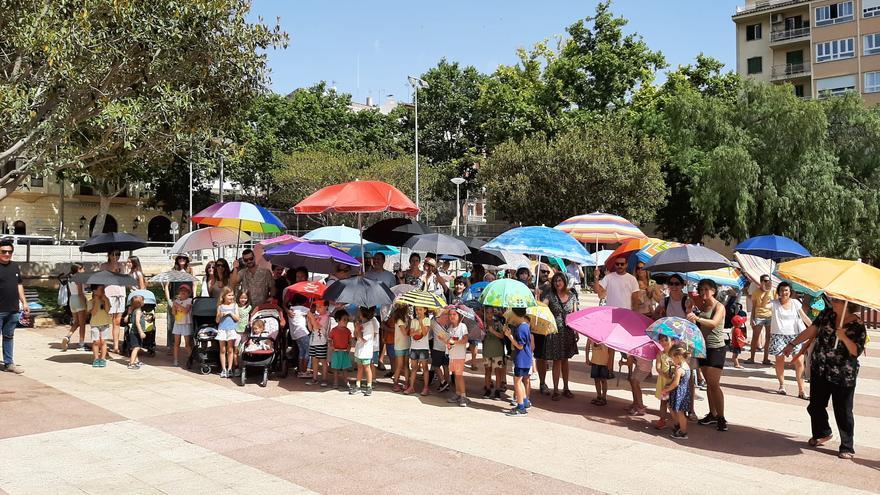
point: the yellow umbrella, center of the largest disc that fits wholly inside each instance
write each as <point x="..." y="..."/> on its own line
<point x="541" y="319"/>
<point x="841" y="279"/>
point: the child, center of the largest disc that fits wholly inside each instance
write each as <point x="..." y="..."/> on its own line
<point x="400" y="320"/>
<point x="298" y="319"/>
<point x="457" y="346"/>
<point x="78" y="304"/>
<point x="664" y="376"/>
<point x="244" y="313"/>
<point x="439" y="360"/>
<point x="340" y="344"/>
<point x="100" y="323"/>
<point x="641" y="370"/>
<point x="679" y="391"/>
<point x="419" y="328"/>
<point x="493" y="355"/>
<point x="598" y="359"/>
<point x="738" y="339"/>
<point x="259" y="339"/>
<point x="318" y="343"/>
<point x="227" y="319"/>
<point x="136" y="332"/>
<point x="522" y="341"/>
<point x="367" y="334"/>
<point x="182" y="309"/>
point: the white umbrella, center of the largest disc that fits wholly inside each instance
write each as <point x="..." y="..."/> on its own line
<point x="209" y="238"/>
<point x="173" y="276"/>
<point x="513" y="261"/>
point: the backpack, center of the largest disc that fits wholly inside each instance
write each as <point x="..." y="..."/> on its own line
<point x="63" y="294"/>
<point x="731" y="309"/>
<point x="668" y="298"/>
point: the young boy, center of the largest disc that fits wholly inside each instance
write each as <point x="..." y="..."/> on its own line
<point x="136" y="334"/>
<point x="299" y="332"/>
<point x="598" y="359"/>
<point x="318" y="343"/>
<point x="493" y="355"/>
<point x="100" y="323"/>
<point x="522" y="341"/>
<point x="340" y="345"/>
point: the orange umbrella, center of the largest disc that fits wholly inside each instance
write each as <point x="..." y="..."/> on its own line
<point x="649" y="246"/>
<point x="841" y="279"/>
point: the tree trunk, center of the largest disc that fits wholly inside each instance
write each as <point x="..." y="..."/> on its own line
<point x="103" y="209"/>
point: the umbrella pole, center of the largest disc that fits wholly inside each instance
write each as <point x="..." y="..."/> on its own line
<point x="238" y="240"/>
<point x="363" y="254"/>
<point x="840" y="322"/>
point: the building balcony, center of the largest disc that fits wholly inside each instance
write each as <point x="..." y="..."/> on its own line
<point x="765" y="5"/>
<point x="790" y="35"/>
<point x="789" y="71"/>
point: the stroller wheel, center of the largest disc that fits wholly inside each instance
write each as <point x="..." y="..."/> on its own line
<point x="206" y="370"/>
<point x="265" y="377"/>
<point x="243" y="376"/>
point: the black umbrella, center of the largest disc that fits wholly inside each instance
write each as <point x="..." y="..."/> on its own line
<point x="437" y="244"/>
<point x="687" y="258"/>
<point x="112" y="241"/>
<point x="472" y="242"/>
<point x="394" y="231"/>
<point x="359" y="291"/>
<point x="104" y="278"/>
<point x="485" y="257"/>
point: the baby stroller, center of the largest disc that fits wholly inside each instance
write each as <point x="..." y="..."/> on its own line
<point x="256" y="351"/>
<point x="206" y="350"/>
<point x="149" y="342"/>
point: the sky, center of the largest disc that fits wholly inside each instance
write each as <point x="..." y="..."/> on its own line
<point x="368" y="48"/>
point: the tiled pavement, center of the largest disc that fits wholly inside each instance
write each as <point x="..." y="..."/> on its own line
<point x="68" y="428"/>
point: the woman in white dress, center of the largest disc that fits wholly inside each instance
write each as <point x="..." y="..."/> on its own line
<point x="786" y="322"/>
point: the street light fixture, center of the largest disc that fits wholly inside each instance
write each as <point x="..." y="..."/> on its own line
<point x="417" y="84"/>
<point x="458" y="181"/>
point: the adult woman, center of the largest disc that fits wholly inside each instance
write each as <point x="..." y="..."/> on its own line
<point x="478" y="272"/>
<point x="135" y="270"/>
<point x="207" y="280"/>
<point x="678" y="305"/>
<point x="181" y="264"/>
<point x="786" y="322"/>
<point x="834" y="367"/>
<point x="711" y="324"/>
<point x="432" y="281"/>
<point x="221" y="278"/>
<point x="561" y="346"/>
<point x="78" y="306"/>
<point x="413" y="275"/>
<point x="649" y="293"/>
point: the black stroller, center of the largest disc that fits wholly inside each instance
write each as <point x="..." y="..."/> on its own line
<point x="206" y="350"/>
<point x="264" y="350"/>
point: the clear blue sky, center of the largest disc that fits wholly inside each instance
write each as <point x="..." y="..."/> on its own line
<point x="367" y="48"/>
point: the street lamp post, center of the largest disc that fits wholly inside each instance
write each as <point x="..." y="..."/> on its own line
<point x="458" y="181"/>
<point x="417" y="84"/>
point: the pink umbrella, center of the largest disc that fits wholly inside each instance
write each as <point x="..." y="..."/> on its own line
<point x="618" y="328"/>
<point x="281" y="239"/>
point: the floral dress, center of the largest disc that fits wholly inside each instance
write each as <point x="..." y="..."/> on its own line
<point x="834" y="362"/>
<point x="563" y="343"/>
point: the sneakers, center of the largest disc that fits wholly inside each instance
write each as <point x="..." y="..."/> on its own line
<point x="425" y="391"/>
<point x="409" y="391"/>
<point x="81" y="347"/>
<point x="96" y="363"/>
<point x="516" y="411"/>
<point x="453" y="399"/>
<point x="65" y="342"/>
<point x="312" y="382"/>
<point x="527" y="403"/>
<point x="497" y="395"/>
<point x="487" y="394"/>
<point x="722" y="424"/>
<point x="323" y="384"/>
<point x="708" y="420"/>
<point x="679" y="435"/>
<point x="702" y="385"/>
<point x="660" y="424"/>
<point x="134" y="366"/>
<point x="462" y="401"/>
<point x="444" y="386"/>
<point x="175" y="364"/>
<point x="224" y="374"/>
<point x="353" y="390"/>
<point x="304" y="375"/>
<point x="368" y="391"/>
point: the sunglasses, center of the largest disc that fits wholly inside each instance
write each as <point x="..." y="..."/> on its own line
<point x="620" y="264"/>
<point x="248" y="260"/>
<point x="545" y="272"/>
<point x="640" y="267"/>
<point x="6" y="251"/>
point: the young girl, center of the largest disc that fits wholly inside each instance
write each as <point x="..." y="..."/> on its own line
<point x="418" y="351"/>
<point x="137" y="330"/>
<point x="298" y="320"/>
<point x="77" y="301"/>
<point x="598" y="359"/>
<point x="244" y="313"/>
<point x="457" y="345"/>
<point x="340" y="344"/>
<point x="664" y="376"/>
<point x="493" y="355"/>
<point x="100" y="322"/>
<point x="182" y="309"/>
<point x="318" y="343"/>
<point x="679" y="393"/>
<point x="367" y="334"/>
<point x="227" y="319"/>
<point x="400" y="320"/>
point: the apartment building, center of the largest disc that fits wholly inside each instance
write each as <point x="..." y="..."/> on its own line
<point x="820" y="47"/>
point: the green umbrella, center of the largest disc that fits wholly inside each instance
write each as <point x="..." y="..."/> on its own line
<point x="507" y="293"/>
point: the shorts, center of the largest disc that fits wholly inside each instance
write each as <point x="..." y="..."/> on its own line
<point x="778" y="343"/>
<point x="599" y="371"/>
<point x="100" y="332"/>
<point x="540" y="347"/>
<point x="76" y="305"/>
<point x="389" y="349"/>
<point x="184" y="329"/>
<point x="227" y="335"/>
<point x="341" y="360"/>
<point x="473" y="342"/>
<point x="639" y="376"/>
<point x="418" y="354"/>
<point x="521" y="372"/>
<point x="401" y="352"/>
<point x="117" y="304"/>
<point x="438" y="358"/>
<point x="495" y="363"/>
<point x="364" y="362"/>
<point x="318" y="351"/>
<point x="762" y="322"/>
<point x="456" y="366"/>
<point x="714" y="358"/>
<point x="375" y="359"/>
<point x="302" y="345"/>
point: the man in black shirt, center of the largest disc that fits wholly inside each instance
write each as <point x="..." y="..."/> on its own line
<point x="11" y="294"/>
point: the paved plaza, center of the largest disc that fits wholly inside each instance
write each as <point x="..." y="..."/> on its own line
<point x="70" y="428"/>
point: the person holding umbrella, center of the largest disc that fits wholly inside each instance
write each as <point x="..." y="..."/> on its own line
<point x="619" y="289"/>
<point x="431" y="280"/>
<point x="561" y="346"/>
<point x="256" y="280"/>
<point x="708" y="315"/>
<point x="181" y="264"/>
<point x="116" y="295"/>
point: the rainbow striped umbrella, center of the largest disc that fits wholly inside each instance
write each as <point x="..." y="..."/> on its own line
<point x="239" y="215"/>
<point x="600" y="227"/>
<point x="728" y="276"/>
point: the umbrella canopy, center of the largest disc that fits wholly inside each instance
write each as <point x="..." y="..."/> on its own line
<point x="421" y="298"/>
<point x="470" y="319"/>
<point x="371" y="248"/>
<point x="474" y="292"/>
<point x="112" y="241"/>
<point x="311" y="290"/>
<point x="149" y="297"/>
<point x="541" y="319"/>
<point x="753" y="267"/>
<point x="104" y="277"/>
<point x="360" y="291"/>
<point x="679" y="329"/>
<point x="772" y="247"/>
<point x="599" y="258"/>
<point x="365" y="196"/>
<point x="687" y="258"/>
<point x="507" y="293"/>
<point x="618" y="328"/>
<point x="239" y="215"/>
<point x="600" y="227"/>
<point x="438" y="244"/>
<point x="314" y="257"/>
<point x="173" y="276"/>
<point x="281" y="239"/>
<point x="841" y="279"/>
<point x="208" y="238"/>
<point x="644" y="249"/>
<point x="400" y="289"/>
<point x="540" y="241"/>
<point x="394" y="231"/>
<point x="339" y="234"/>
<point x="729" y="276"/>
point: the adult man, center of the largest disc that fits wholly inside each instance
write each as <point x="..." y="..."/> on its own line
<point x="543" y="286"/>
<point x="378" y="272"/>
<point x="116" y="294"/>
<point x="11" y="295"/>
<point x="256" y="280"/>
<point x="279" y="281"/>
<point x="761" y="314"/>
<point x="619" y="289"/>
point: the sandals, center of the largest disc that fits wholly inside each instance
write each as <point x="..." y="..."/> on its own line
<point x="567" y="394"/>
<point x="818" y="442"/>
<point x="781" y="391"/>
<point x="846" y="455"/>
<point x="545" y="390"/>
<point x="555" y="396"/>
<point x="803" y="396"/>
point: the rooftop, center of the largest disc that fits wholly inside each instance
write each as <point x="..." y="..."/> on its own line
<point x="755" y="6"/>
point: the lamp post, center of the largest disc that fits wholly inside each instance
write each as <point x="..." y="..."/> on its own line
<point x="417" y="84"/>
<point x="458" y="181"/>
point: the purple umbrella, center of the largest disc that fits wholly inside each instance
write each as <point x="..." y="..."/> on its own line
<point x="314" y="257"/>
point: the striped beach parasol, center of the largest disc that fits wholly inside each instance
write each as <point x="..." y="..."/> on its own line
<point x="600" y="227"/>
<point x="422" y="299"/>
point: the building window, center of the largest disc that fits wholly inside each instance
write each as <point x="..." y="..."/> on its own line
<point x="835" y="50"/>
<point x="872" y="44"/>
<point x="754" y="65"/>
<point x="834" y="13"/>
<point x="799" y="90"/>
<point x="753" y="32"/>
<point x="870" y="8"/>
<point x="36" y="181"/>
<point x="834" y="86"/>
<point x="872" y="82"/>
<point x="86" y="190"/>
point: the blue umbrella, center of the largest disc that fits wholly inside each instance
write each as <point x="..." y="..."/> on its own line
<point x="772" y="247"/>
<point x="370" y="247"/>
<point x="149" y="297"/>
<point x="541" y="241"/>
<point x="339" y="234"/>
<point x="473" y="292"/>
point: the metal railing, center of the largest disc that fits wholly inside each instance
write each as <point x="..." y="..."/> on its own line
<point x="789" y="34"/>
<point x="785" y="71"/>
<point x="766" y="4"/>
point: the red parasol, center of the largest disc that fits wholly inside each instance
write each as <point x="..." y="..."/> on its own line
<point x="365" y="196"/>
<point x="311" y="290"/>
